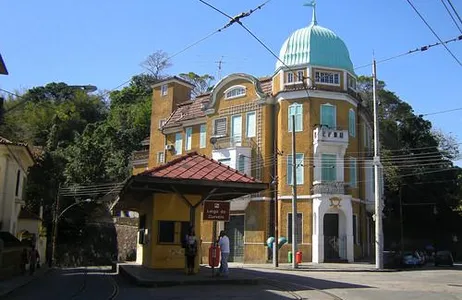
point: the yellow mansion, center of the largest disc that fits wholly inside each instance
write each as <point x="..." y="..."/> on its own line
<point x="245" y="123"/>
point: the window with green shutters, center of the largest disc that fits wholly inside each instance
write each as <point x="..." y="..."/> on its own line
<point x="178" y="143"/>
<point x="203" y="136"/>
<point x="296" y="110"/>
<point x="328" y="115"/>
<point x="299" y="169"/>
<point x="329" y="167"/>
<point x="188" y="138"/>
<point x="241" y="163"/>
<point x="352" y="122"/>
<point x="353" y="172"/>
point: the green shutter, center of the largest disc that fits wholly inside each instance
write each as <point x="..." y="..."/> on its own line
<point x="352" y="123"/>
<point x="328" y="115"/>
<point x="289" y="170"/>
<point x="329" y="167"/>
<point x="353" y="175"/>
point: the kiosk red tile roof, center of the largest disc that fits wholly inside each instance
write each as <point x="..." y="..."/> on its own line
<point x="198" y="167"/>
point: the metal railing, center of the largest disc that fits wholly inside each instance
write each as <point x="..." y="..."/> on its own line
<point x="234" y="141"/>
<point x="326" y="187"/>
<point x="326" y="134"/>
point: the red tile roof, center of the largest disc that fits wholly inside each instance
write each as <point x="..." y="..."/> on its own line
<point x="198" y="167"/>
<point x="266" y="84"/>
<point x="187" y="110"/>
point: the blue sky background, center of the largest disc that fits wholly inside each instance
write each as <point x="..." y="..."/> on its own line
<point x="103" y="42"/>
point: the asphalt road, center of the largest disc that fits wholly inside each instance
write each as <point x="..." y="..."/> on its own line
<point x="100" y="283"/>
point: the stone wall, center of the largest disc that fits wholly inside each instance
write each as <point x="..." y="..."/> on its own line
<point x="127" y="230"/>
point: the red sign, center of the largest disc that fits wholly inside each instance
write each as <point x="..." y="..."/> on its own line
<point x="216" y="210"/>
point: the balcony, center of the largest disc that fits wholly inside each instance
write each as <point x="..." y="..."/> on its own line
<point x="329" y="135"/>
<point x="140" y="157"/>
<point x="232" y="142"/>
<point x="335" y="187"/>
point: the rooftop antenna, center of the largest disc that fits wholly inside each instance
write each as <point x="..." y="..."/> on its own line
<point x="220" y="66"/>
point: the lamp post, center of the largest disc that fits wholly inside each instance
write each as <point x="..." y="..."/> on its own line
<point x="55" y="225"/>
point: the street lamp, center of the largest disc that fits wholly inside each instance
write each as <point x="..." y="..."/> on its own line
<point x="55" y="225"/>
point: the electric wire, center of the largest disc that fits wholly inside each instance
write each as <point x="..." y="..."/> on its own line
<point x="434" y="33"/>
<point x="452" y="17"/>
<point x="455" y="11"/>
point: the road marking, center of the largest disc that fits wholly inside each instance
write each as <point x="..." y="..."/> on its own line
<point x="115" y="286"/>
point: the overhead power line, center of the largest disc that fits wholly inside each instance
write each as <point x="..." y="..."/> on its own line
<point x="455" y="11"/>
<point x="450" y="14"/>
<point x="434" y="33"/>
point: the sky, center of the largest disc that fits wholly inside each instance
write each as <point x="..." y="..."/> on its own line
<point x="103" y="43"/>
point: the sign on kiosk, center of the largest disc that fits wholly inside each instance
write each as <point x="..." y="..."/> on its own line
<point x="216" y="211"/>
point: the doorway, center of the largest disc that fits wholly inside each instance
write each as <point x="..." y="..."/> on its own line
<point x="331" y="237"/>
<point x="235" y="231"/>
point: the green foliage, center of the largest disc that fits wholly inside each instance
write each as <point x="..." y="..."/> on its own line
<point x="417" y="160"/>
<point x="202" y="83"/>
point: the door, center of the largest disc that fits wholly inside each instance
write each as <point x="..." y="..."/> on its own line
<point x="235" y="230"/>
<point x="331" y="238"/>
<point x="236" y="130"/>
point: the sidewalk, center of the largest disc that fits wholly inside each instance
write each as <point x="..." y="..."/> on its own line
<point x="323" y="267"/>
<point x="143" y="276"/>
<point x="16" y="282"/>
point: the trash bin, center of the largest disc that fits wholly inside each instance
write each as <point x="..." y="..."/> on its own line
<point x="289" y="257"/>
<point x="298" y="257"/>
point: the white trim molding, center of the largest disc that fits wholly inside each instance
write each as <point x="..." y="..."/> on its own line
<point x="301" y="94"/>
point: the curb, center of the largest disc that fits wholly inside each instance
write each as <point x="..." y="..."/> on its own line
<point x="327" y="270"/>
<point x="170" y="283"/>
<point x="25" y="283"/>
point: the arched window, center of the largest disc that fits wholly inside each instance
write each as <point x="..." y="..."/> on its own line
<point x="296" y="110"/>
<point x="235" y="92"/>
<point x="352" y="122"/>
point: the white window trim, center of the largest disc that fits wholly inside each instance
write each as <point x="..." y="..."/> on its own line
<point x="188" y="142"/>
<point x="354" y="123"/>
<point x="295" y="77"/>
<point x="233" y="88"/>
<point x="162" y="92"/>
<point x="326" y="83"/>
<point x="163" y="157"/>
<point x="247" y="124"/>
<point x="295" y="165"/>
<point x="335" y="113"/>
<point x="226" y="127"/>
<point x="295" y="104"/>
<point x="179" y="151"/>
<point x="290" y="213"/>
<point x="201" y="146"/>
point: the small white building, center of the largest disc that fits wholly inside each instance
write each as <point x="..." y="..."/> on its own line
<point x="15" y="160"/>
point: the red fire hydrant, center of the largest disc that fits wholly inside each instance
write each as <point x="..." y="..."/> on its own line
<point x="214" y="256"/>
<point x="298" y="257"/>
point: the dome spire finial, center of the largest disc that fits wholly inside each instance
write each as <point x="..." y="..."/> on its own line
<point x="312" y="4"/>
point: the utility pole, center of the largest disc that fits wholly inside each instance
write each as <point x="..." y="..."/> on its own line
<point x="55" y="229"/>
<point x="276" y="205"/>
<point x="294" y="197"/>
<point x="377" y="194"/>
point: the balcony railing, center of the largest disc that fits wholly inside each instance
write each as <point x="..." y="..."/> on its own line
<point x="333" y="187"/>
<point x="140" y="157"/>
<point x="232" y="142"/>
<point x="325" y="134"/>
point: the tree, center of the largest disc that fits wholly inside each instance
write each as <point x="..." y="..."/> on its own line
<point x="417" y="164"/>
<point x="157" y="63"/>
<point x="202" y="83"/>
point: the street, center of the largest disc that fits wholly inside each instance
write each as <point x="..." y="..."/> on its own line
<point x="100" y="283"/>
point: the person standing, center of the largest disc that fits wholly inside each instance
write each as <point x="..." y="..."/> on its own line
<point x="224" y="248"/>
<point x="33" y="259"/>
<point x="190" y="250"/>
